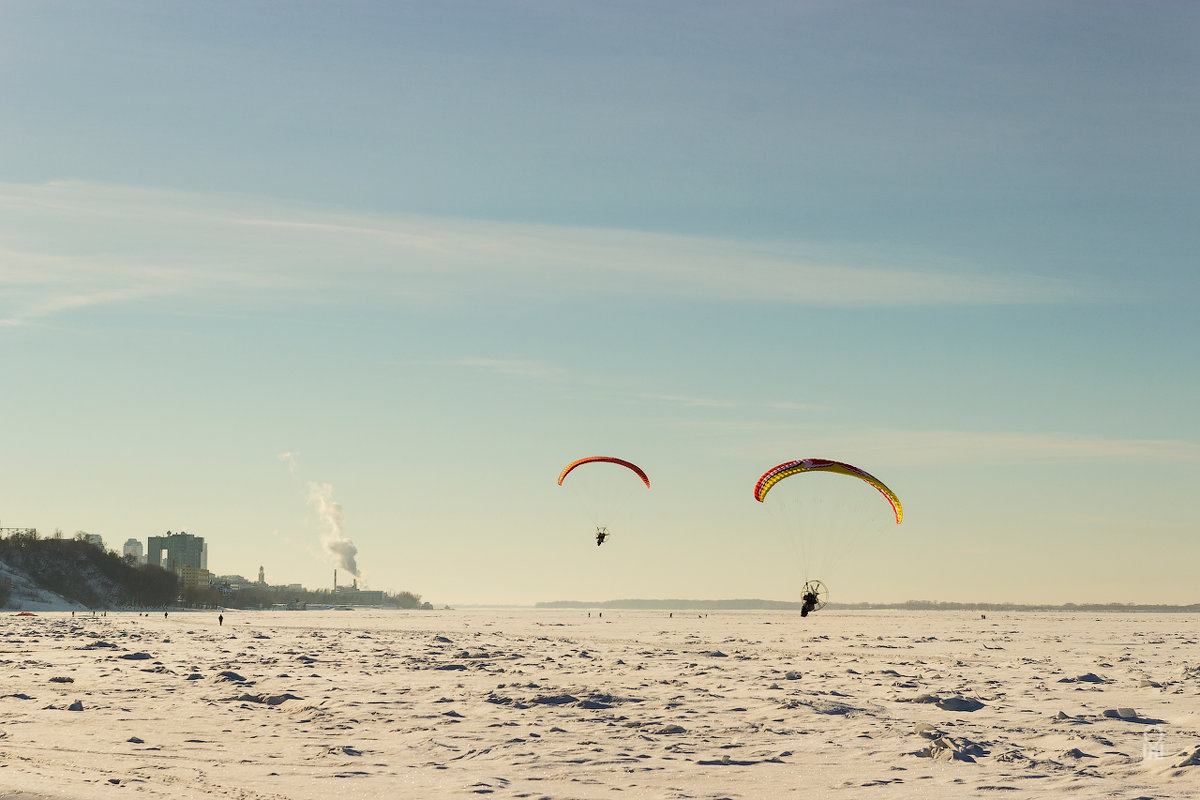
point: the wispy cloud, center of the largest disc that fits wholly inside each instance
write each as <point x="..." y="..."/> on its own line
<point x="691" y="402"/>
<point x="49" y="304"/>
<point x="544" y="370"/>
<point x="711" y="402"/>
<point x="978" y="448"/>
<point x="503" y="366"/>
<point x="68" y="245"/>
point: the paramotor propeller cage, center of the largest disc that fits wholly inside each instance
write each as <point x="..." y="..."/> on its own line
<point x="817" y="588"/>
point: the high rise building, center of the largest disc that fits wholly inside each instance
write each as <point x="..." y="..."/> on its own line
<point x="176" y="550"/>
<point x="133" y="547"/>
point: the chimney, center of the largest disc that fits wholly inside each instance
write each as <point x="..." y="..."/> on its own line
<point x="335" y="580"/>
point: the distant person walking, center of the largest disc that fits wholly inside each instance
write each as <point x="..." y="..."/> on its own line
<point x="220" y="619"/>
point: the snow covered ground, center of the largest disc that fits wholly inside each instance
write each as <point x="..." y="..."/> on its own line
<point x="560" y="704"/>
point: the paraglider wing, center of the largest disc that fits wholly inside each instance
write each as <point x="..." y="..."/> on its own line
<point x="609" y="460"/>
<point x="778" y="473"/>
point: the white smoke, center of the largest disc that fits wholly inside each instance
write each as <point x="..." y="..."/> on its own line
<point x="289" y="459"/>
<point x="335" y="543"/>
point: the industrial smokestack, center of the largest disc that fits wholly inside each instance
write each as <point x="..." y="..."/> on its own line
<point x="335" y="579"/>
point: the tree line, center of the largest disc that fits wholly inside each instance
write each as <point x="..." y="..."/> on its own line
<point x="257" y="596"/>
<point x="86" y="574"/>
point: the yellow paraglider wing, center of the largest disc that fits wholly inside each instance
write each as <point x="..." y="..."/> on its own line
<point x="788" y="468"/>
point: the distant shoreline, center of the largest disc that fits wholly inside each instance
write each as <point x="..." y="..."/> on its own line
<point x="911" y="605"/>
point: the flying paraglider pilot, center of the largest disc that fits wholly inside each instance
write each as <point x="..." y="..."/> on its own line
<point x="601" y="535"/>
<point x="810" y="603"/>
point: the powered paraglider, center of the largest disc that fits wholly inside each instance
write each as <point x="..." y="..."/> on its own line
<point x="599" y="498"/>
<point x="814" y="533"/>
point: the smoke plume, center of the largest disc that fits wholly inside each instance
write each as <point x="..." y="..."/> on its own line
<point x="288" y="458"/>
<point x="337" y="545"/>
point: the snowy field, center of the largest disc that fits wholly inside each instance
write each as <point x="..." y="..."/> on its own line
<point x="560" y="704"/>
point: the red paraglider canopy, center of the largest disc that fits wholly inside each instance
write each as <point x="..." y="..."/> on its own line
<point x="608" y="459"/>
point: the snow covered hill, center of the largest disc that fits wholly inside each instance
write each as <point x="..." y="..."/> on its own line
<point x="26" y="595"/>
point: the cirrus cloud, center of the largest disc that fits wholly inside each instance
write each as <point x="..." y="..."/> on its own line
<point x="66" y="246"/>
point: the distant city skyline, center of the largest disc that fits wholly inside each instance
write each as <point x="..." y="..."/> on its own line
<point x="138" y="550"/>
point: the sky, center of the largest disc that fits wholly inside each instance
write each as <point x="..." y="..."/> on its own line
<point x="323" y="281"/>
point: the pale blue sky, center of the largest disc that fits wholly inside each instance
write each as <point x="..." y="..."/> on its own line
<point x="435" y="252"/>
